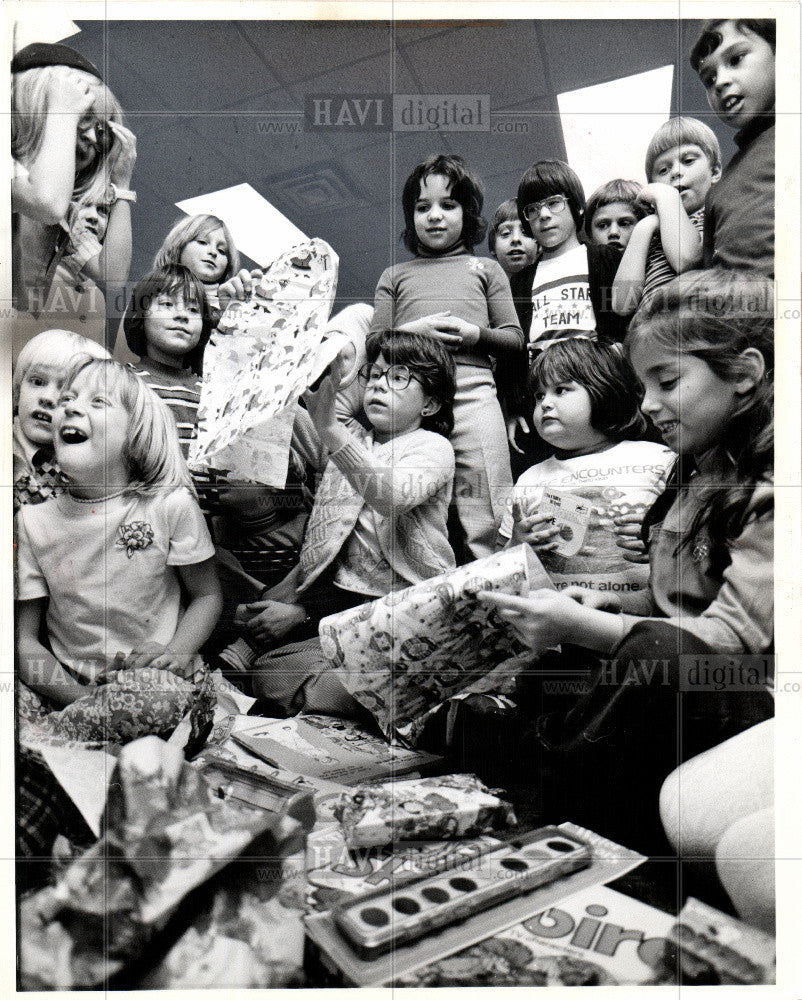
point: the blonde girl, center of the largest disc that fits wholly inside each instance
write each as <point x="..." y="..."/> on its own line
<point x="128" y="528"/>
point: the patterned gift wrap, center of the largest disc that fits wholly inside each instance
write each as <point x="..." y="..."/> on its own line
<point x="443" y="808"/>
<point x="404" y="654"/>
<point x="265" y="352"/>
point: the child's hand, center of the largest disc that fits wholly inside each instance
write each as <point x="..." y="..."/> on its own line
<point x="627" y="529"/>
<point x="658" y="197"/>
<point x="269" y="620"/>
<point x="73" y="95"/>
<point x="536" y="530"/>
<point x="320" y="402"/>
<point x="239" y="287"/>
<point x="541" y="620"/>
<point x="123" y="155"/>
<point x="438" y="327"/>
<point x="515" y="424"/>
<point x="153" y="654"/>
<point x="593" y="599"/>
<point x="468" y="333"/>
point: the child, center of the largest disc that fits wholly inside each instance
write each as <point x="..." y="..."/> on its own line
<point x="586" y="406"/>
<point x="706" y="359"/>
<point x="683" y="162"/>
<point x="202" y="243"/>
<point x="566" y="293"/>
<point x="612" y="212"/>
<point x="379" y="519"/>
<point x="507" y="242"/>
<point x="168" y="324"/>
<point x="464" y="302"/>
<point x="36" y="385"/>
<point x="67" y="141"/>
<point x="735" y="62"/>
<point x="130" y="531"/>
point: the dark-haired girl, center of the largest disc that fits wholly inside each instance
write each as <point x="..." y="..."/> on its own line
<point x="464" y="302"/>
<point x="378" y="523"/>
<point x="168" y="324"/>
<point x="704" y="351"/>
<point x="587" y="399"/>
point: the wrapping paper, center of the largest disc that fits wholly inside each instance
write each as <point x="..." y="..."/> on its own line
<point x="443" y="808"/>
<point x="164" y="834"/>
<point x="404" y="654"/>
<point x="265" y="352"/>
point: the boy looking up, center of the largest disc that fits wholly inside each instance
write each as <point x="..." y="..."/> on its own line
<point x="735" y="62"/>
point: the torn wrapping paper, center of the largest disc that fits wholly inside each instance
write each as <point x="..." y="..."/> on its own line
<point x="442" y="808"/>
<point x="404" y="654"/>
<point x="265" y="352"/>
<point x="164" y="834"/>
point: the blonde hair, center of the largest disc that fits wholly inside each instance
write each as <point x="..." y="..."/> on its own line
<point x="152" y="451"/>
<point x="188" y="229"/>
<point x="53" y="349"/>
<point x="682" y="131"/>
<point x="29" y="112"/>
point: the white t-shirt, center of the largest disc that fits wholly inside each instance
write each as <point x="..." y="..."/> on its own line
<point x="107" y="569"/>
<point x="624" y="479"/>
<point x="561" y="305"/>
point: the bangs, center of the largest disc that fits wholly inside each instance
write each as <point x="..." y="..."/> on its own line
<point x="554" y="367"/>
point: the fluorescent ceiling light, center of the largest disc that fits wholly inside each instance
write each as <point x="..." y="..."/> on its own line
<point x="258" y="228"/>
<point x="601" y="143"/>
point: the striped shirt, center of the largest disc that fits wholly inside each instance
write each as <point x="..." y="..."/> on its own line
<point x="180" y="389"/>
<point x="658" y="270"/>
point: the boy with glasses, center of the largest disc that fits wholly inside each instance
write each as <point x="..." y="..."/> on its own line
<point x="567" y="291"/>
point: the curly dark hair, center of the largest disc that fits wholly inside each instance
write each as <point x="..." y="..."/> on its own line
<point x="432" y="364"/>
<point x="465" y="188"/>
<point x="710" y="37"/>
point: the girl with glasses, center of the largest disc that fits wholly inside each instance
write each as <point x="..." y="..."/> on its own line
<point x="566" y="292"/>
<point x="378" y="523"/>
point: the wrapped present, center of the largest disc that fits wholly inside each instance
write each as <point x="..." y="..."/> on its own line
<point x="442" y="808"/>
<point x="165" y="833"/>
<point x="405" y="654"/>
<point x="712" y="948"/>
<point x="264" y="353"/>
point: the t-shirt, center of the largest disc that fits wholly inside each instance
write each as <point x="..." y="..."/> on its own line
<point x="658" y="270"/>
<point x="107" y="569"/>
<point x="561" y="305"/>
<point x="624" y="479"/>
<point x="180" y="389"/>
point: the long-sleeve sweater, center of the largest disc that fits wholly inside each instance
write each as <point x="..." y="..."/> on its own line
<point x="472" y="288"/>
<point x="406" y="483"/>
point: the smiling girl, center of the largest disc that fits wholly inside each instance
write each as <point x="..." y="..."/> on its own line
<point x="704" y="352"/>
<point x="168" y="324"/>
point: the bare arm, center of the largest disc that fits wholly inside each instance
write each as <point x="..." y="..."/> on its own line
<point x="631" y="274"/>
<point x="36" y="665"/>
<point x="678" y="235"/>
<point x="45" y="194"/>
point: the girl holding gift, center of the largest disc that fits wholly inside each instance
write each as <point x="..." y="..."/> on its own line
<point x="378" y="523"/>
<point x="464" y="302"/>
<point x="704" y="351"/>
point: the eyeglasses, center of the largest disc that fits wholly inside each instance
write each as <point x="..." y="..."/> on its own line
<point x="396" y="376"/>
<point x="556" y="204"/>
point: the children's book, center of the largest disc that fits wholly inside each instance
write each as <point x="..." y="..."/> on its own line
<point x="324" y="747"/>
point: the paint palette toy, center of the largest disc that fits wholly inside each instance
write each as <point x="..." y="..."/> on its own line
<point x="380" y="921"/>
